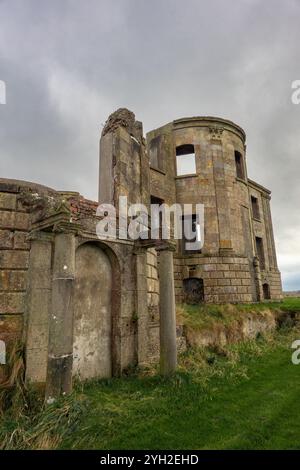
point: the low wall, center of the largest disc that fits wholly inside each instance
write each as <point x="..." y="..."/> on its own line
<point x="242" y="329"/>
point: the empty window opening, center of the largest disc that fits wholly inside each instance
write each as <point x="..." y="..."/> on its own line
<point x="266" y="291"/>
<point x="260" y="252"/>
<point x="185" y="160"/>
<point x="191" y="234"/>
<point x="255" y="208"/>
<point x="239" y="164"/>
<point x="193" y="289"/>
<point x="155" y="154"/>
<point x="156" y="225"/>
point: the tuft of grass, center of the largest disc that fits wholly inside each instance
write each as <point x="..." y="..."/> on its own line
<point x="26" y="422"/>
<point x="42" y="428"/>
<point x="13" y="390"/>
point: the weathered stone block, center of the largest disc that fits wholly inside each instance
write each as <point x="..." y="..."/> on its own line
<point x="7" y="219"/>
<point x="6" y="239"/>
<point x="22" y="221"/>
<point x="14" y="220"/>
<point x="10" y="259"/>
<point x="12" y="280"/>
<point x="20" y="241"/>
<point x="8" y="201"/>
<point x="12" y="303"/>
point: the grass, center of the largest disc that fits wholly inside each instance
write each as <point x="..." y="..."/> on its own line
<point x="205" y="316"/>
<point x="242" y="396"/>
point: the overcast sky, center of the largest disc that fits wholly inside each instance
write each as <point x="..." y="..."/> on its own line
<point x="68" y="64"/>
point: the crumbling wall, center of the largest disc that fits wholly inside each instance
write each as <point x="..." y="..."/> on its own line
<point x="14" y="255"/>
<point x="14" y="259"/>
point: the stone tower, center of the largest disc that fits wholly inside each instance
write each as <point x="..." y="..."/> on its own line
<point x="203" y="160"/>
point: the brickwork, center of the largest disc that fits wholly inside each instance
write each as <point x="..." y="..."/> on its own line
<point x="14" y="258"/>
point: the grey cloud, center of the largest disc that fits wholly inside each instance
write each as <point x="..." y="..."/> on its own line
<point x="67" y="65"/>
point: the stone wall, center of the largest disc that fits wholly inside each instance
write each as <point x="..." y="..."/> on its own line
<point x="153" y="303"/>
<point x="14" y="257"/>
<point x="227" y="261"/>
<point x="226" y="279"/>
<point x="248" y="327"/>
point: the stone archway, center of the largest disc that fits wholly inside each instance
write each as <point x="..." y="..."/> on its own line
<point x="92" y="351"/>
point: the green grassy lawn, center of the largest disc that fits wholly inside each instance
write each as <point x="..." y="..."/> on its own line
<point x="248" y="399"/>
<point x="243" y="396"/>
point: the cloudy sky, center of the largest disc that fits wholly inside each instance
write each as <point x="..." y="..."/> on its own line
<point x="68" y="64"/>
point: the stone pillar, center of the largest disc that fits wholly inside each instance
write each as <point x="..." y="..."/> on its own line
<point x="258" y="283"/>
<point x="168" y="348"/>
<point x="39" y="306"/>
<point x="60" y="348"/>
<point x="141" y="306"/>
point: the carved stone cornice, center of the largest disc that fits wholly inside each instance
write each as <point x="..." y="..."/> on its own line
<point x="57" y="223"/>
<point x="216" y="132"/>
<point x="42" y="206"/>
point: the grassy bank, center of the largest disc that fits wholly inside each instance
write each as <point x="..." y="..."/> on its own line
<point x="242" y="396"/>
<point x="204" y="316"/>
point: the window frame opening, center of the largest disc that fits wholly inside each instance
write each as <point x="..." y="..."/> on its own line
<point x="188" y="151"/>
<point x="157" y="230"/>
<point x="266" y="291"/>
<point x="193" y="290"/>
<point x="156" y="159"/>
<point x="255" y="208"/>
<point x="196" y="229"/>
<point x="239" y="165"/>
<point x="259" y="246"/>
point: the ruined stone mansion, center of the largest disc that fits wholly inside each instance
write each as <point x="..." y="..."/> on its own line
<point x="92" y="308"/>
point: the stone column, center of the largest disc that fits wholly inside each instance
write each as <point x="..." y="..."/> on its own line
<point x="168" y="348"/>
<point x="141" y="305"/>
<point x="38" y="307"/>
<point x="257" y="275"/>
<point x="60" y="348"/>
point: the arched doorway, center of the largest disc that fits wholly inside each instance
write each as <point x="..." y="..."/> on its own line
<point x="92" y="313"/>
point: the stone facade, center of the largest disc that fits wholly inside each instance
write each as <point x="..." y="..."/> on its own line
<point x="90" y="307"/>
<point x="227" y="264"/>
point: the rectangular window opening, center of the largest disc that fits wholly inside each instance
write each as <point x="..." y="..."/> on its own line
<point x="260" y="252"/>
<point x="155" y="154"/>
<point x="239" y="164"/>
<point x="157" y="225"/>
<point x="255" y="208"/>
<point x="185" y="160"/>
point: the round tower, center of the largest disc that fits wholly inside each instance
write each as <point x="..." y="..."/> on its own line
<point x="201" y="160"/>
